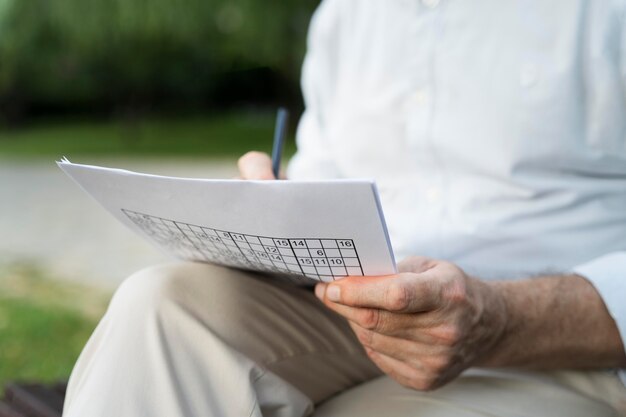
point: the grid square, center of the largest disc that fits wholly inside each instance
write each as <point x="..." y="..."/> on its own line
<point x="335" y="262"/>
<point x="320" y="261"/>
<point x="224" y="235"/>
<point x="229" y="242"/>
<point x="348" y="253"/>
<point x="297" y="243"/>
<point x="285" y="251"/>
<point x="305" y="261"/>
<point x="301" y="252"/>
<point x="324" y="270"/>
<point x="351" y="261"/>
<point x="271" y="249"/>
<point x="209" y="232"/>
<point x="276" y="258"/>
<point x="237" y="237"/>
<point x="247" y="252"/>
<point x="282" y="243"/>
<point x="290" y="260"/>
<point x="317" y="253"/>
<point x="354" y="271"/>
<point x="313" y="243"/>
<point x="253" y="239"/>
<point x="327" y="243"/>
<point x="339" y="271"/>
<point x="345" y="244"/>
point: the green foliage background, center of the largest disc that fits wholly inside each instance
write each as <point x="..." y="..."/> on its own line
<point x="107" y="53"/>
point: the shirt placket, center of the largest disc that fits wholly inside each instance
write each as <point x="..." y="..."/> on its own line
<point x="421" y="111"/>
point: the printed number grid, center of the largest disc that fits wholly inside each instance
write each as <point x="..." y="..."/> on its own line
<point x="320" y="259"/>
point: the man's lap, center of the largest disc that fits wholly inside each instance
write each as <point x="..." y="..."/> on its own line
<point x="485" y="393"/>
<point x="288" y="332"/>
<point x="477" y="392"/>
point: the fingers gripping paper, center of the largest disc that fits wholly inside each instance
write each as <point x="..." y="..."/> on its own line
<point x="317" y="230"/>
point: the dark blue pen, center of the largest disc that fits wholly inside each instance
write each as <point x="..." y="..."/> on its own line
<point x="280" y="133"/>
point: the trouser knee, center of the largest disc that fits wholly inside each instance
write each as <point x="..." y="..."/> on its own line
<point x="224" y="300"/>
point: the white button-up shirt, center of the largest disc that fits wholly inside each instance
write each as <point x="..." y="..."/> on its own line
<point x="496" y="130"/>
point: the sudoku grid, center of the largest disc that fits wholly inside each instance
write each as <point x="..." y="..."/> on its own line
<point x="320" y="259"/>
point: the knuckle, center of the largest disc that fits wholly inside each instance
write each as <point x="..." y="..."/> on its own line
<point x="404" y="380"/>
<point x="448" y="335"/>
<point x="417" y="382"/>
<point x="409" y="263"/>
<point x="371" y="354"/>
<point x="406" y="383"/>
<point x="422" y="261"/>
<point x="456" y="292"/>
<point x="416" y="379"/>
<point x="369" y="319"/>
<point x="437" y="365"/>
<point x="365" y="337"/>
<point x="423" y="378"/>
<point x="423" y="381"/>
<point x="426" y="383"/>
<point x="398" y="297"/>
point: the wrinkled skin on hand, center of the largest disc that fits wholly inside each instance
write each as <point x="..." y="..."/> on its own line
<point x="424" y="325"/>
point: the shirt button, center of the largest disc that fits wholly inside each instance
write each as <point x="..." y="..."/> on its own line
<point x="431" y="4"/>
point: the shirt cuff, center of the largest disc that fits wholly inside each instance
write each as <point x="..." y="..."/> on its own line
<point x="608" y="275"/>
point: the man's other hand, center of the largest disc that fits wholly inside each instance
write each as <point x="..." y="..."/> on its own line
<point x="424" y="325"/>
<point x="255" y="166"/>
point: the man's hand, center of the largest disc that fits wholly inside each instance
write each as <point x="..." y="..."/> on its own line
<point x="256" y="166"/>
<point x="431" y="321"/>
<point x="423" y="326"/>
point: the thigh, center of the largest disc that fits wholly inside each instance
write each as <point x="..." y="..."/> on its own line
<point x="475" y="393"/>
<point x="280" y="326"/>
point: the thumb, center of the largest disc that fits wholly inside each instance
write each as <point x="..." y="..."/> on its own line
<point x="255" y="166"/>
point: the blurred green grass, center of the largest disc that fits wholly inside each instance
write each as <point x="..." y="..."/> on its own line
<point x="44" y="323"/>
<point x="224" y="135"/>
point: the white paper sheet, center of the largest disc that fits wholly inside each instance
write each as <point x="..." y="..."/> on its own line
<point x="317" y="230"/>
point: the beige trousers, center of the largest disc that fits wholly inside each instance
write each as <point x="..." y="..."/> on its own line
<point x="197" y="340"/>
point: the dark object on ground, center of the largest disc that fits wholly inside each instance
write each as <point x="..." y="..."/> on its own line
<point x="33" y="400"/>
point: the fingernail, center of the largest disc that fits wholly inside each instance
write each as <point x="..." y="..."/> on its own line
<point x="333" y="292"/>
<point x="320" y="289"/>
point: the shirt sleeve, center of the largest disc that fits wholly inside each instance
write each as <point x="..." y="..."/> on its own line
<point x="314" y="158"/>
<point x="608" y="275"/>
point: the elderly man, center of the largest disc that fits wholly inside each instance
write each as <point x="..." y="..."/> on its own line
<point x="496" y="131"/>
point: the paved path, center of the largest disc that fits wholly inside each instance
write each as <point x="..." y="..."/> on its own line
<point x="46" y="218"/>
